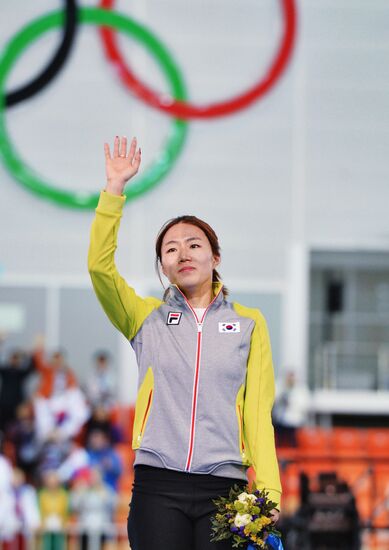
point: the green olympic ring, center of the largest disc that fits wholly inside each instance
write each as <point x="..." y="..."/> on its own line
<point x="175" y="140"/>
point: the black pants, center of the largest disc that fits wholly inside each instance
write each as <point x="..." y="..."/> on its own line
<point x="171" y="510"/>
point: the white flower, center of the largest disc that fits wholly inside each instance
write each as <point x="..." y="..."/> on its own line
<point x="242" y="519"/>
<point x="245" y="497"/>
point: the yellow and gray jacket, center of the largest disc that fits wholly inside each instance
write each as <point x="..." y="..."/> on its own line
<point x="206" y="386"/>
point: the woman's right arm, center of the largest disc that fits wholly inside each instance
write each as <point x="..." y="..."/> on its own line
<point x="125" y="309"/>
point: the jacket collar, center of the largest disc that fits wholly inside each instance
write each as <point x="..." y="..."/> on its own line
<point x="176" y="296"/>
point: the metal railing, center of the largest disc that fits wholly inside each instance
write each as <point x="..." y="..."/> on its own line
<point x="351" y="366"/>
<point x="73" y="537"/>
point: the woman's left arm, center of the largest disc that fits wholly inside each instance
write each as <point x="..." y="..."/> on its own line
<point x="259" y="398"/>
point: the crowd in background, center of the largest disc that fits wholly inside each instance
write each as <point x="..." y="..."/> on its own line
<point x="57" y="449"/>
<point x="57" y="445"/>
<point x="59" y="465"/>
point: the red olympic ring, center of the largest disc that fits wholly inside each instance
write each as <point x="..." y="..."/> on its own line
<point x="184" y="110"/>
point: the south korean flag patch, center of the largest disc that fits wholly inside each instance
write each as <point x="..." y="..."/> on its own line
<point x="229" y="327"/>
<point x="174" y="318"/>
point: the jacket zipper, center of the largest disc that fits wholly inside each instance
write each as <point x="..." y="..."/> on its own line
<point x="199" y="324"/>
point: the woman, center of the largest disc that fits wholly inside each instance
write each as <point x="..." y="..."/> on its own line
<point x="206" y="383"/>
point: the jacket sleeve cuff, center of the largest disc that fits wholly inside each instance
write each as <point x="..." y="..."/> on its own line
<point x="110" y="204"/>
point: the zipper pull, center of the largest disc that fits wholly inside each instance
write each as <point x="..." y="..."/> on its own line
<point x="199" y="327"/>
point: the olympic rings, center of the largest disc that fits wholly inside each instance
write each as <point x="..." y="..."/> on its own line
<point x="55" y="65"/>
<point x="93" y="16"/>
<point x="185" y="110"/>
<point x="176" y="105"/>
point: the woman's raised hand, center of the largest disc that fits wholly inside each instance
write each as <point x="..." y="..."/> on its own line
<point x="122" y="165"/>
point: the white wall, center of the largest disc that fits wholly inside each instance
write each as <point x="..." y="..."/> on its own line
<point x="307" y="166"/>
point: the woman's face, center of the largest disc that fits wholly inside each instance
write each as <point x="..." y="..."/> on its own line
<point x="186" y="257"/>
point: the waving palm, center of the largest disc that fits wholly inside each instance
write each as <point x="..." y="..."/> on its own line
<point x="122" y="165"/>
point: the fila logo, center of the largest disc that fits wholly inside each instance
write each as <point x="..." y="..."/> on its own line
<point x="229" y="327"/>
<point x="174" y="318"/>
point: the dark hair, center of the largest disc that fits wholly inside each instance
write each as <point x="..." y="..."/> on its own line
<point x="205" y="228"/>
<point x="102" y="355"/>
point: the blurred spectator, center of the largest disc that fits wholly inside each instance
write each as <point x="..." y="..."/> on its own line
<point x="101" y="420"/>
<point x="55" y="375"/>
<point x="63" y="456"/>
<point x="94" y="502"/>
<point x="329" y="516"/>
<point x="54" y="509"/>
<point x="52" y="453"/>
<point x="63" y="414"/>
<point x="19" y="517"/>
<point x="5" y="469"/>
<point x="102" y="455"/>
<point x="26" y="506"/>
<point x="290" y="411"/>
<point x="60" y="405"/>
<point x="21" y="433"/>
<point x="101" y="387"/>
<point x="8" y="522"/>
<point x="13" y="374"/>
<point x="77" y="460"/>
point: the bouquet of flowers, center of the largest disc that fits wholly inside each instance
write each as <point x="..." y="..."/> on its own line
<point x="245" y="516"/>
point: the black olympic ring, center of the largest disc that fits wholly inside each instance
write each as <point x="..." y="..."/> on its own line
<point x="55" y="64"/>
